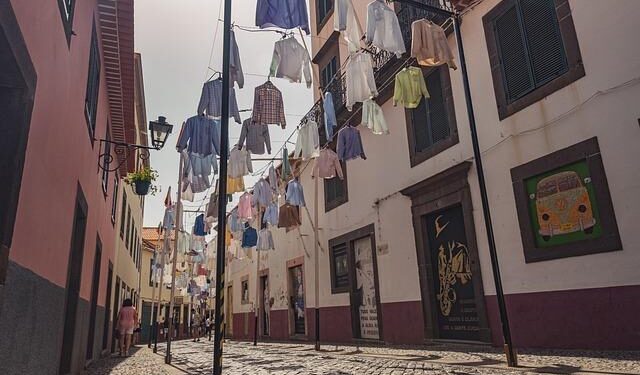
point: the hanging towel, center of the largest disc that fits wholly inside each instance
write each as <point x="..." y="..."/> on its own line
<point x="383" y="28"/>
<point x="350" y="144"/>
<point x="235" y="67"/>
<point x="345" y="20"/>
<point x="211" y="100"/>
<point x="268" y="108"/>
<point x="360" y="82"/>
<point x="327" y="165"/>
<point x="285" y="14"/>
<point x="409" y="87"/>
<point x="256" y="136"/>
<point x="295" y="194"/>
<point x="308" y="142"/>
<point x="429" y="44"/>
<point x="330" y="122"/>
<point x="289" y="60"/>
<point x="239" y="163"/>
<point x="265" y="240"/>
<point x="373" y="118"/>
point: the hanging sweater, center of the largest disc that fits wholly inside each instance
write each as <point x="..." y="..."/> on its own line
<point x="410" y="87"/>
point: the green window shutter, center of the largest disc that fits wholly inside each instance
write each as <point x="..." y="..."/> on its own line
<point x="437" y="114"/>
<point x="544" y="41"/>
<point x="513" y="54"/>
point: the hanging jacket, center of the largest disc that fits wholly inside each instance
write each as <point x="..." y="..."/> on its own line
<point x="200" y="135"/>
<point x="285" y="14"/>
<point x="383" y="28"/>
<point x="295" y="194"/>
<point x="349" y="144"/>
<point x="327" y="165"/>
<point x="249" y="237"/>
<point x="373" y="117"/>
<point x="289" y="59"/>
<point x="360" y="82"/>
<point x="239" y="163"/>
<point x="235" y="66"/>
<point x="308" y="142"/>
<point x="289" y="216"/>
<point x="256" y="136"/>
<point x="429" y="44"/>
<point x="198" y="227"/>
<point x="330" y="122"/>
<point x="346" y="21"/>
<point x="211" y="101"/>
<point x="268" y="108"/>
<point x="409" y="87"/>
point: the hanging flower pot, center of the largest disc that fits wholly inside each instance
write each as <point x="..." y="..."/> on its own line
<point x="142" y="181"/>
<point x="142" y="187"/>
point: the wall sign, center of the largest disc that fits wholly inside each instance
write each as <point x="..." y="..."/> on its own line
<point x="366" y="289"/>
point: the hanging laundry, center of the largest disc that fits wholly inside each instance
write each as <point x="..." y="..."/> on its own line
<point x="286" y="165"/>
<point x="262" y="194"/>
<point x="169" y="218"/>
<point x="249" y="237"/>
<point x="212" y="206"/>
<point x="308" y="142"/>
<point x="244" y="207"/>
<point x="187" y="193"/>
<point x="383" y="28"/>
<point x="235" y="66"/>
<point x="235" y="185"/>
<point x="198" y="227"/>
<point x="429" y="44"/>
<point x="409" y="87"/>
<point x="327" y="165"/>
<point x="256" y="136"/>
<point x="234" y="223"/>
<point x="183" y="242"/>
<point x="289" y="217"/>
<point x="271" y="214"/>
<point x="345" y="20"/>
<point x="349" y="144"/>
<point x="265" y="240"/>
<point x="285" y="14"/>
<point x="239" y="163"/>
<point x="330" y="122"/>
<point x="196" y="170"/>
<point x="268" y="108"/>
<point x="200" y="135"/>
<point x="360" y="82"/>
<point x="295" y="194"/>
<point x="373" y="117"/>
<point x="273" y="179"/>
<point x="211" y="100"/>
<point x="289" y="60"/>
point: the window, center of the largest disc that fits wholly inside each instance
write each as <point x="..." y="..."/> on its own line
<point x="339" y="269"/>
<point x="244" y="298"/>
<point x="151" y="283"/>
<point x="128" y="234"/>
<point x="114" y="202"/>
<point x="324" y="10"/>
<point x="431" y="127"/>
<point x="335" y="190"/>
<point x="93" y="84"/>
<point x="105" y="162"/>
<point x="533" y="51"/>
<point x="328" y="71"/>
<point x="123" y="212"/>
<point x="66" y="12"/>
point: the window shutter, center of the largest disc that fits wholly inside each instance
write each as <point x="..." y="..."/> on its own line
<point x="513" y="54"/>
<point x="546" y="50"/>
<point x="437" y="114"/>
<point x="419" y="118"/>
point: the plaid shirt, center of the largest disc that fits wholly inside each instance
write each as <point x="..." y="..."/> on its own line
<point x="267" y="105"/>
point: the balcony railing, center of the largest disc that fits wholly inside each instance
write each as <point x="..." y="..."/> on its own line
<point x="383" y="62"/>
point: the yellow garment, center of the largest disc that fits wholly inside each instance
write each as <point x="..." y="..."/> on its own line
<point x="235" y="185"/>
<point x="227" y="236"/>
<point x="409" y="87"/>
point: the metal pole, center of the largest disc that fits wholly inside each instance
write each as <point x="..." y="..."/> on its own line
<point x="164" y="250"/>
<point x="316" y="263"/>
<point x="153" y="290"/>
<point x="222" y="197"/>
<point x="178" y="225"/>
<point x="512" y="359"/>
<point x="257" y="310"/>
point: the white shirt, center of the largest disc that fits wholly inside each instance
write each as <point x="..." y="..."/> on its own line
<point x="239" y="163"/>
<point x="346" y="21"/>
<point x="289" y="59"/>
<point x="383" y="28"/>
<point x="308" y="143"/>
<point x="360" y="82"/>
<point x="373" y="117"/>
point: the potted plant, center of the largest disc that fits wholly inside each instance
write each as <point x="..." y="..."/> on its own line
<point x="142" y="180"/>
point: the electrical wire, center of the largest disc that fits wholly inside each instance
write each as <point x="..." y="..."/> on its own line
<point x="215" y="36"/>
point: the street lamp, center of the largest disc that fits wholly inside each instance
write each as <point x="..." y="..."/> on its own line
<point x="160" y="131"/>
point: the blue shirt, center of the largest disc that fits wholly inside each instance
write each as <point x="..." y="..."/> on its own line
<point x="330" y="121"/>
<point x="262" y="194"/>
<point x="249" y="237"/>
<point x="235" y="224"/>
<point x="286" y="14"/>
<point x="202" y="135"/>
<point x="349" y="144"/>
<point x="271" y="215"/>
<point x="295" y="195"/>
<point x="211" y="101"/>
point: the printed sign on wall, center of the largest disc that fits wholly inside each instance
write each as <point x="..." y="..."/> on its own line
<point x="366" y="288"/>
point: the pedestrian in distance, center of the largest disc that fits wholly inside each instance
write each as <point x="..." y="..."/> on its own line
<point x="197" y="325"/>
<point x="208" y="327"/>
<point x="127" y="318"/>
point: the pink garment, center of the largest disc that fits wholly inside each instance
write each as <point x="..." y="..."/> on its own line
<point x="127" y="318"/>
<point x="327" y="165"/>
<point x="244" y="207"/>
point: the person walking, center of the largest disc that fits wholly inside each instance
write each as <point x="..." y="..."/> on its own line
<point x="197" y="325"/>
<point x="207" y="325"/>
<point x="127" y="318"/>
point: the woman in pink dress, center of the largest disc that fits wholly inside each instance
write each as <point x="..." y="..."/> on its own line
<point x="127" y="318"/>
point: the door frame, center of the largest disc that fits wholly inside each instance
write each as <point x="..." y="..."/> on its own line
<point x="262" y="276"/>
<point x="229" y="311"/>
<point x="291" y="264"/>
<point x="443" y="190"/>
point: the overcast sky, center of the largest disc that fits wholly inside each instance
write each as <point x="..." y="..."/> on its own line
<point x="175" y="39"/>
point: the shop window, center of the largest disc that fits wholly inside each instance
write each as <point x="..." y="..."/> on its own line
<point x="335" y="190"/>
<point x="533" y="51"/>
<point x="93" y="85"/>
<point x="431" y="127"/>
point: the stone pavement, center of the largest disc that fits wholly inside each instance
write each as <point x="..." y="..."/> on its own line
<point x="279" y="358"/>
<point x="142" y="361"/>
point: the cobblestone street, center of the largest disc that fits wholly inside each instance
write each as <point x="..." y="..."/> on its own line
<point x="271" y="358"/>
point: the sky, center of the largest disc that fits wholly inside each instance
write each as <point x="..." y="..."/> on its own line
<point x="175" y="39"/>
